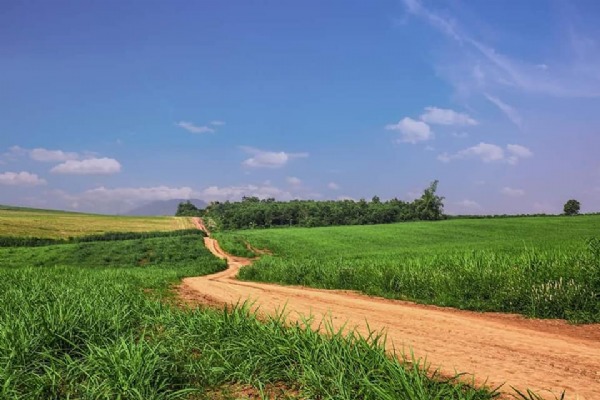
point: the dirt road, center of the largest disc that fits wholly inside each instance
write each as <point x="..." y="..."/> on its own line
<point x="542" y="355"/>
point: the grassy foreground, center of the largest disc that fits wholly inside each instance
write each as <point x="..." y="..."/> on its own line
<point x="542" y="267"/>
<point x="93" y="321"/>
<point x="19" y="222"/>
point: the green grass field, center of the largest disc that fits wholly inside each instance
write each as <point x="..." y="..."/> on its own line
<point x="96" y="320"/>
<point x="57" y="224"/>
<point x="539" y="266"/>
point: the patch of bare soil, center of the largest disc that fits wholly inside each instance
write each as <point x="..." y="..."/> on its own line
<point x="546" y="356"/>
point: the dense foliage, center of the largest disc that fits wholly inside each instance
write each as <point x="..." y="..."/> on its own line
<point x="187" y="209"/>
<point x="252" y="212"/>
<point x="541" y="267"/>
<point x="87" y="321"/>
<point x="572" y="207"/>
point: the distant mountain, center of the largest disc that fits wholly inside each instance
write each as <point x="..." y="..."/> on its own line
<point x="163" y="207"/>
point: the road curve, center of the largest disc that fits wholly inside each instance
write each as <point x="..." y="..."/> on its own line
<point x="546" y="356"/>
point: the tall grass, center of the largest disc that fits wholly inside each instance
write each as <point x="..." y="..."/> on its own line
<point x="537" y="267"/>
<point x="537" y="284"/>
<point x="81" y="325"/>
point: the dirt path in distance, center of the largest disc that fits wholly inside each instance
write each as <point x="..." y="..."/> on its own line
<point x="547" y="356"/>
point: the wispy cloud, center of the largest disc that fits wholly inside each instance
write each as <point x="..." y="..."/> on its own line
<point x="217" y="123"/>
<point x="511" y="192"/>
<point x="411" y="131"/>
<point x="91" y="166"/>
<point x="460" y="135"/>
<point x="488" y="153"/>
<point x="565" y="78"/>
<point x="333" y="186"/>
<point x="268" y="159"/>
<point x="469" y="204"/>
<point x="192" y="128"/>
<point x="510" y="112"/>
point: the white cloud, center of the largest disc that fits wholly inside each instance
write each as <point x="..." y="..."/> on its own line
<point x="485" y="151"/>
<point x="133" y="195"/>
<point x="511" y="192"/>
<point x="20" y="179"/>
<point x="511" y="113"/>
<point x="190" y="127"/>
<point x="333" y="186"/>
<point x="216" y="193"/>
<point x="45" y="155"/>
<point x="412" y="131"/>
<point x="268" y="159"/>
<point x="442" y="116"/>
<point x="488" y="153"/>
<point x="468" y="204"/>
<point x="217" y="123"/>
<point x="91" y="166"/>
<point x="292" y="180"/>
<point x="517" y="152"/>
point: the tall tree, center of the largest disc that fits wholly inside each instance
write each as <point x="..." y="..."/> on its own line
<point x="430" y="206"/>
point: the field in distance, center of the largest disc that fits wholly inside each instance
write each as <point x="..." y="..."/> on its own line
<point x="19" y="222"/>
<point x="546" y="267"/>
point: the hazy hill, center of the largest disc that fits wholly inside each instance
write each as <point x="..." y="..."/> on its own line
<point x="163" y="207"/>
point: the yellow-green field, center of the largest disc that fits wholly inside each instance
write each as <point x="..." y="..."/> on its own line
<point x="57" y="224"/>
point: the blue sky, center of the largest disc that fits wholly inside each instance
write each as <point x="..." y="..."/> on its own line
<point x="106" y="105"/>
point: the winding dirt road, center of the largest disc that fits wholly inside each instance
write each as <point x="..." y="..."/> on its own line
<point x="547" y="356"/>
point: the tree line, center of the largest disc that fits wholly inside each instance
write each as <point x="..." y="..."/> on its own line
<point x="253" y="212"/>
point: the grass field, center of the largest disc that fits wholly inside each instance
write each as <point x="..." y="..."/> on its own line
<point x="57" y="224"/>
<point x="542" y="267"/>
<point x="96" y="320"/>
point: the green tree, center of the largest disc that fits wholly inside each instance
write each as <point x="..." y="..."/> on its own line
<point x="430" y="207"/>
<point x="187" y="209"/>
<point x="572" y="207"/>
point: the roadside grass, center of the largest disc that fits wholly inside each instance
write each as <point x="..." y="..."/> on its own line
<point x="77" y="321"/>
<point x="19" y="222"/>
<point x="233" y="244"/>
<point x="539" y="267"/>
